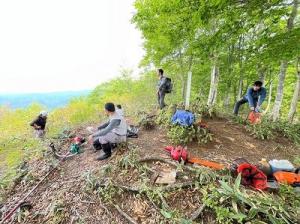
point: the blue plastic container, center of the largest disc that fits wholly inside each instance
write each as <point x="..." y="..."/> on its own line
<point x="281" y="165"/>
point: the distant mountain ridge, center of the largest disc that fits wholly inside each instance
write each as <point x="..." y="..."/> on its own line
<point x="50" y="100"/>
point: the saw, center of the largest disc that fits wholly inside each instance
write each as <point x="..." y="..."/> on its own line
<point x="179" y="153"/>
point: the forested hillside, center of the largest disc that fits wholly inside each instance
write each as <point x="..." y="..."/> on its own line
<point x="226" y="46"/>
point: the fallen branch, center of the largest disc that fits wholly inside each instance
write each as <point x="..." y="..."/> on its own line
<point x="198" y="212"/>
<point x="127" y="217"/>
<point x="127" y="188"/>
<point x="106" y="210"/>
<point x="179" y="185"/>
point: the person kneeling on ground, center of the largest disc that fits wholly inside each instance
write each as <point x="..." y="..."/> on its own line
<point x="39" y="124"/>
<point x="255" y="97"/>
<point x="112" y="132"/>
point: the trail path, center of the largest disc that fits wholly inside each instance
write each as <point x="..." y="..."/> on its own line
<point x="65" y="188"/>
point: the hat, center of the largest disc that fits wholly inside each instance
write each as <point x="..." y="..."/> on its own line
<point x="44" y="113"/>
<point x="110" y="107"/>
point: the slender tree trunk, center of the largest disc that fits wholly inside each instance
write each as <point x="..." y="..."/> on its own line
<point x="183" y="87"/>
<point x="240" y="90"/>
<point x="241" y="70"/>
<point x="296" y="94"/>
<point x="212" y="97"/>
<point x="230" y="61"/>
<point x="279" y="95"/>
<point x="262" y="73"/>
<point x="283" y="67"/>
<point x="269" y="97"/>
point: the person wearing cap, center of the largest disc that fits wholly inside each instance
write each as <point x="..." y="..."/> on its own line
<point x="39" y="124"/>
<point x="112" y="132"/>
<point x="255" y="97"/>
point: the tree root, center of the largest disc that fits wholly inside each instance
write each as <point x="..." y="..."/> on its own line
<point x="125" y="215"/>
<point x="197" y="213"/>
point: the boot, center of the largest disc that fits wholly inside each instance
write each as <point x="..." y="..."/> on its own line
<point x="107" y="152"/>
<point x="97" y="145"/>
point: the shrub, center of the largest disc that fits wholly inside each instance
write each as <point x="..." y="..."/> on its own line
<point x="184" y="135"/>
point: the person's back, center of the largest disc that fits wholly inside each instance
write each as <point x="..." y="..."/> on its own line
<point x="39" y="124"/>
<point x="120" y="129"/>
<point x="119" y="110"/>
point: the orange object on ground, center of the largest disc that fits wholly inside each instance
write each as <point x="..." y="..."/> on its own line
<point x="287" y="177"/>
<point x="254" y="117"/>
<point x="202" y="162"/>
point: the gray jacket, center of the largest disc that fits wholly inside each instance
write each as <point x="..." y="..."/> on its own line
<point x="116" y="124"/>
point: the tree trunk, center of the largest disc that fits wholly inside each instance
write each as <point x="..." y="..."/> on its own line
<point x="262" y="73"/>
<point x="241" y="65"/>
<point x="269" y="97"/>
<point x="212" y="97"/>
<point x="283" y="67"/>
<point x="240" y="90"/>
<point x="279" y="95"/>
<point x="296" y="94"/>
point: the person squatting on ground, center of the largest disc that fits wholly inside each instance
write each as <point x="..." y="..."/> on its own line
<point x="161" y="93"/>
<point x="112" y="132"/>
<point x="255" y="97"/>
<point x="39" y="124"/>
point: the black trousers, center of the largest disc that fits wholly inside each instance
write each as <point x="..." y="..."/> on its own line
<point x="241" y="102"/>
<point x="161" y="99"/>
<point x="97" y="145"/>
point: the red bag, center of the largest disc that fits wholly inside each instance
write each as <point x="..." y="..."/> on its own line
<point x="254" y="117"/>
<point x="177" y="153"/>
<point x="251" y="176"/>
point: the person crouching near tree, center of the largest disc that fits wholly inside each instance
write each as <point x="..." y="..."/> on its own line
<point x="112" y="132"/>
<point x="255" y="97"/>
<point x="39" y="124"/>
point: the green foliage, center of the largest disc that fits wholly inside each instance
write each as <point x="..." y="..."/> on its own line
<point x="263" y="131"/>
<point x="184" y="135"/>
<point x="291" y="131"/>
<point x="108" y="192"/>
<point x="233" y="203"/>
<point x="268" y="130"/>
<point x="129" y="161"/>
<point x="146" y="122"/>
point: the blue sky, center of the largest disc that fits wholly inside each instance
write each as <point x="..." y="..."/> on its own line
<point x="59" y="45"/>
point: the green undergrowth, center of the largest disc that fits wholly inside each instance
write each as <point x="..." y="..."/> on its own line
<point x="268" y="129"/>
<point x="184" y="135"/>
<point x="225" y="199"/>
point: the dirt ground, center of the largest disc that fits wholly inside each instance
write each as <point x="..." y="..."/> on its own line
<point x="65" y="189"/>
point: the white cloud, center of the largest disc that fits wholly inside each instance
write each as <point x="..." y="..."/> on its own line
<point x="65" y="44"/>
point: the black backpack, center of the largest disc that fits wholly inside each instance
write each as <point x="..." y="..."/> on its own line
<point x="168" y="85"/>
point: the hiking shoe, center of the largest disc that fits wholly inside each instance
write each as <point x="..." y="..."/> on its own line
<point x="103" y="156"/>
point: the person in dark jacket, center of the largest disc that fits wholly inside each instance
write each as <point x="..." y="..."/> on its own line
<point x="161" y="93"/>
<point x="112" y="132"/>
<point x="39" y="124"/>
<point x="255" y="97"/>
